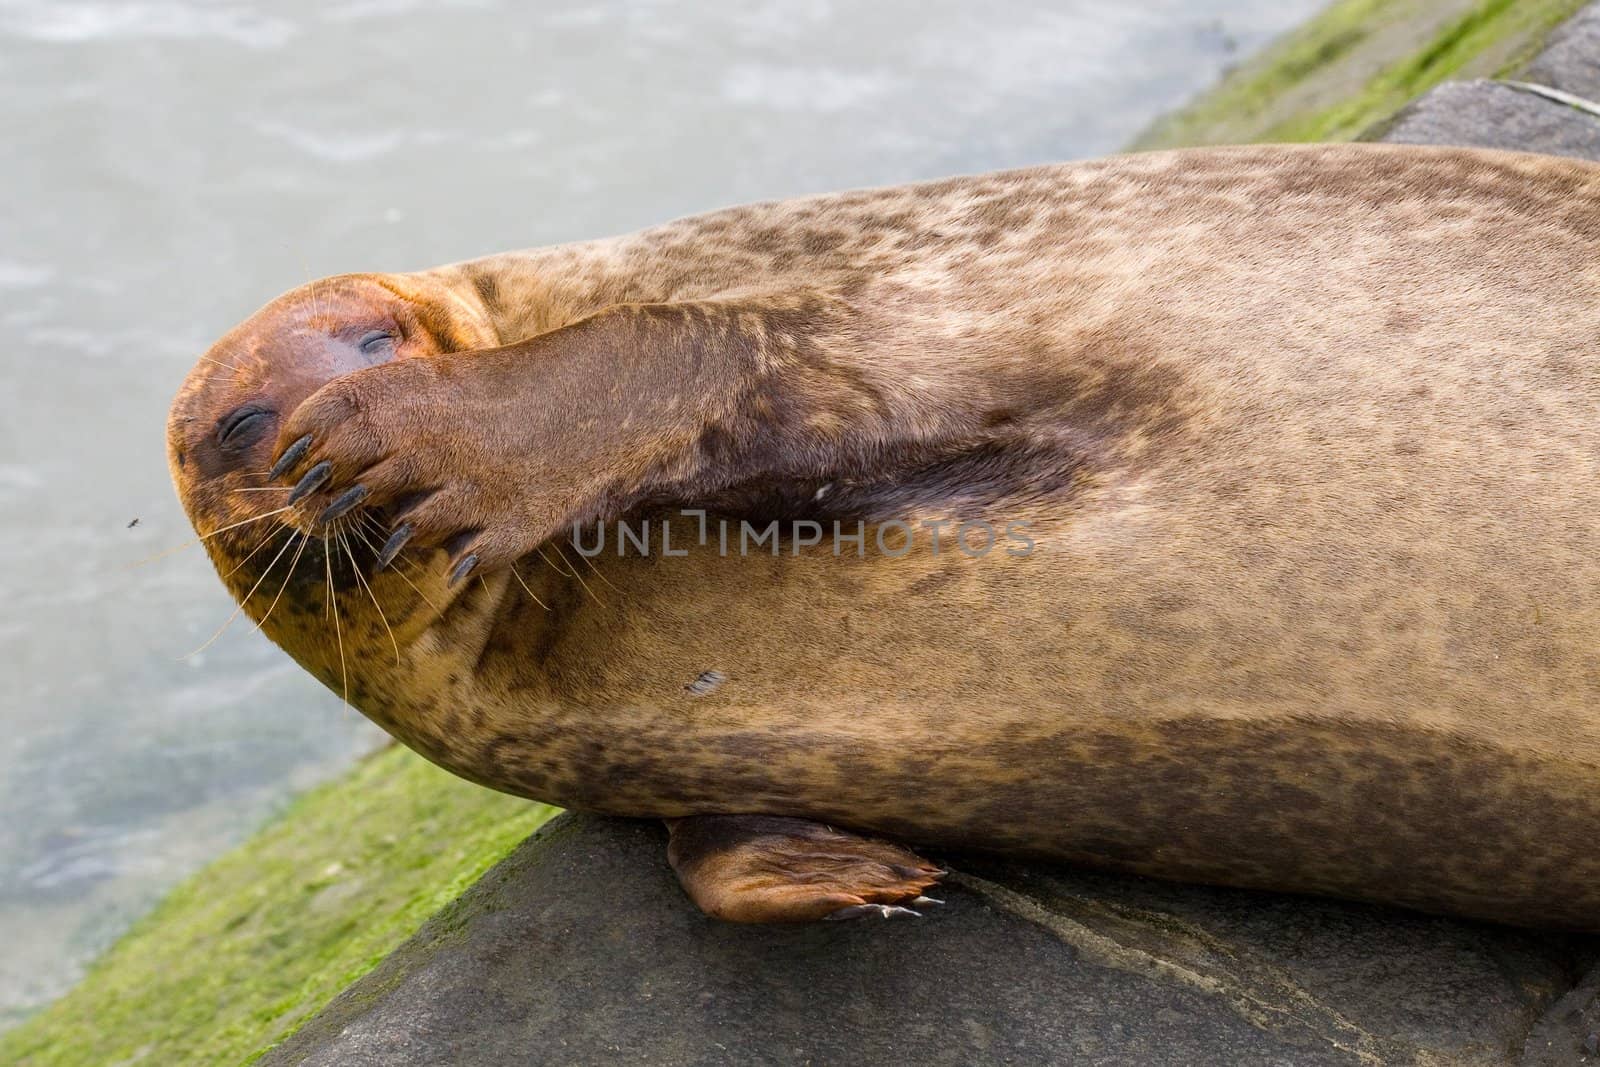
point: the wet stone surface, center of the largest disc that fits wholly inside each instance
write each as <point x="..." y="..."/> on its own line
<point x="1485" y="114"/>
<point x="581" y="948"/>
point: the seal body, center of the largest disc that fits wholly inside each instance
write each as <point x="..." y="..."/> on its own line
<point x="1303" y="442"/>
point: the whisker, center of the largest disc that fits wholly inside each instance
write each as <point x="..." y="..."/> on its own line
<point x="368" y="524"/>
<point x="365" y="585"/>
<point x="598" y="573"/>
<point x="293" y="563"/>
<point x="242" y="602"/>
<point x="164" y="553"/>
<point x="564" y="571"/>
<point x="338" y="631"/>
<point x="436" y="609"/>
<point x="381" y="533"/>
<point x="525" y="588"/>
<point x="396" y="567"/>
<point x="219" y="363"/>
<point x="270" y="535"/>
<point x="574" y="574"/>
<point x="244" y="522"/>
<point x="318" y="306"/>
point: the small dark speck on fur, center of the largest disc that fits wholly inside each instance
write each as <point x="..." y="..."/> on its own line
<point x="705" y="683"/>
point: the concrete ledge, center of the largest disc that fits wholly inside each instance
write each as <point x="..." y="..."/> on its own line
<point x="1571" y="59"/>
<point x="580" y="948"/>
<point x="1488" y="114"/>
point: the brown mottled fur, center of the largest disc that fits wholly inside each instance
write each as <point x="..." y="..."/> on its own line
<point x="1307" y="437"/>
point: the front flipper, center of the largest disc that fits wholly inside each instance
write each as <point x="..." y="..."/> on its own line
<point x="488" y="454"/>
<point x="766" y="869"/>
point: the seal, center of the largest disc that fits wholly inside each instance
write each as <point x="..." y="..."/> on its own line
<point x="1287" y="455"/>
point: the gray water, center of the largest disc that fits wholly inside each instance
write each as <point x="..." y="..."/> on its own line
<point x="169" y="165"/>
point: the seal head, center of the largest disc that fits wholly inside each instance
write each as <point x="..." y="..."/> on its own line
<point x="225" y="420"/>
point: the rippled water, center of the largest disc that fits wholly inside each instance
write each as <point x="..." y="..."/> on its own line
<point x="171" y="165"/>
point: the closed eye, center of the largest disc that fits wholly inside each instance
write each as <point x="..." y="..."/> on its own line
<point x="244" y="426"/>
<point x="374" y="342"/>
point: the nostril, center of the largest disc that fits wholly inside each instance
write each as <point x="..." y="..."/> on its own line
<point x="244" y="426"/>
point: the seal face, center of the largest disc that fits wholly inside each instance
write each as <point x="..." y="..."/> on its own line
<point x="1288" y="453"/>
<point x="225" y="420"/>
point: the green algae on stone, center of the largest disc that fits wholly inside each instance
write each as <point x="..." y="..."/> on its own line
<point x="236" y="958"/>
<point x="1357" y="63"/>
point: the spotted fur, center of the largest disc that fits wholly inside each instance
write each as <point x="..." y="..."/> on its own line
<point x="1306" y="437"/>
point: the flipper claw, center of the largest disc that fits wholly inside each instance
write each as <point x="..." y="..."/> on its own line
<point x="883" y="911"/>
